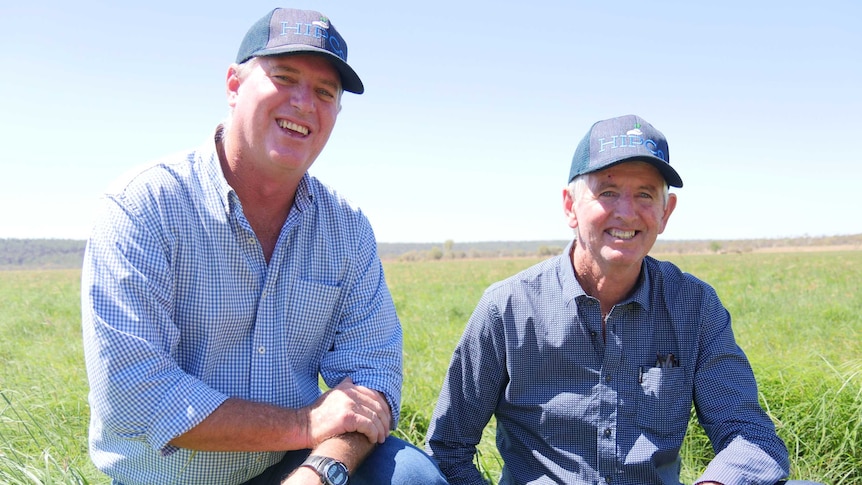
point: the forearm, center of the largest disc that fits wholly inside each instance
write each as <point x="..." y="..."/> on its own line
<point x="350" y="449"/>
<point x="240" y="425"/>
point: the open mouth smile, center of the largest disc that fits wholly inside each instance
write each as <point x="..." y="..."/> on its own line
<point x="620" y="234"/>
<point x="289" y="125"/>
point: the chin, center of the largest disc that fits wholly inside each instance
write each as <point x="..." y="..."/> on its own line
<point x="623" y="257"/>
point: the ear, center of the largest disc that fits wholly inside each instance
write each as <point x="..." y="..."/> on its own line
<point x="569" y="208"/>
<point x="668" y="210"/>
<point x="232" y="85"/>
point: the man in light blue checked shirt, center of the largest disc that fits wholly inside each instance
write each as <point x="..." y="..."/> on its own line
<point x="591" y="361"/>
<point x="220" y="284"/>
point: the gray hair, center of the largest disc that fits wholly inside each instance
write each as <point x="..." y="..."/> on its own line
<point x="243" y="69"/>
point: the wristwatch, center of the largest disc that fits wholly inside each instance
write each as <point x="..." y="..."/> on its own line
<point x="331" y="471"/>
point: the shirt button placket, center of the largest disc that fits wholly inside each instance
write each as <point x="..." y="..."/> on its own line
<point x="262" y="349"/>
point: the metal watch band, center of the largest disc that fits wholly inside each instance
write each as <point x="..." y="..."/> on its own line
<point x="330" y="470"/>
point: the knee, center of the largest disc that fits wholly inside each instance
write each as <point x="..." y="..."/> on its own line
<point x="399" y="463"/>
<point x="414" y="466"/>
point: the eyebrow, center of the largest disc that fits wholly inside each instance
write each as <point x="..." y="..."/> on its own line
<point x="278" y="68"/>
<point x="604" y="184"/>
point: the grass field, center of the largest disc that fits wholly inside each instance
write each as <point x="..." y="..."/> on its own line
<point x="798" y="316"/>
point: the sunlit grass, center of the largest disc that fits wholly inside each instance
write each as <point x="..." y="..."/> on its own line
<point x="798" y="316"/>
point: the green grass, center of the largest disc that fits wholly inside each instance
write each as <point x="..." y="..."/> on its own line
<point x="798" y="316"/>
<point x="43" y="407"/>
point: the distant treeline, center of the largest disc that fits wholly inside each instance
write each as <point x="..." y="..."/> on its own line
<point x="41" y="253"/>
<point x="451" y="250"/>
<point x="513" y="249"/>
<point x="69" y="253"/>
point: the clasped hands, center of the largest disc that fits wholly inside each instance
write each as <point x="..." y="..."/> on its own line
<point x="348" y="408"/>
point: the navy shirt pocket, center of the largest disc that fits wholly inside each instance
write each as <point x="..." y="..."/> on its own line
<point x="664" y="405"/>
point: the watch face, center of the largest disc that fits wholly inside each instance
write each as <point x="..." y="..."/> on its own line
<point x="336" y="474"/>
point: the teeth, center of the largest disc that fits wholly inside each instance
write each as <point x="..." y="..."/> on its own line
<point x="622" y="234"/>
<point x="287" y="125"/>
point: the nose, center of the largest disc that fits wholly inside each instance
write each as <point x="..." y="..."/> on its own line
<point x="302" y="98"/>
<point x="625" y="208"/>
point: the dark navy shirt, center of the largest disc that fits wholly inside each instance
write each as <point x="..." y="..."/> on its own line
<point x="574" y="408"/>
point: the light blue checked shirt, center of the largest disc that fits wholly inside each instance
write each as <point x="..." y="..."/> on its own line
<point x="181" y="311"/>
<point x="573" y="409"/>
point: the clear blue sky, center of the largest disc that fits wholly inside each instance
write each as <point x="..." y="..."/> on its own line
<point x="472" y="110"/>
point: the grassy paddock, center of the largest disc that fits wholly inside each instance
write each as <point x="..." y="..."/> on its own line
<point x="797" y="316"/>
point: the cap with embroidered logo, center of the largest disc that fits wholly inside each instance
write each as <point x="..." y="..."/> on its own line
<point x="622" y="139"/>
<point x="292" y="31"/>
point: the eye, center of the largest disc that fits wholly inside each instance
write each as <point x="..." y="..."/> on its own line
<point x="325" y="93"/>
<point x="283" y="79"/>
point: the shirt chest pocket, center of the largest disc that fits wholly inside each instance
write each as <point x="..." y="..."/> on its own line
<point x="665" y="399"/>
<point x="310" y="312"/>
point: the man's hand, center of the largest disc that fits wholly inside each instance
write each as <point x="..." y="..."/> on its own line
<point x="348" y="408"/>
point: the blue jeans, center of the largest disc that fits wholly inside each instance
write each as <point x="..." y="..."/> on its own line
<point x="395" y="461"/>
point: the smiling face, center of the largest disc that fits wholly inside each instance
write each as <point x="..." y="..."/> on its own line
<point x="618" y="215"/>
<point x="283" y="109"/>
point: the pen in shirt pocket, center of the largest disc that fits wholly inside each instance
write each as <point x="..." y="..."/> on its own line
<point x="666" y="360"/>
<point x="661" y="361"/>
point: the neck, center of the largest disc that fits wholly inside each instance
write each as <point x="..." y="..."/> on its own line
<point x="256" y="187"/>
<point x="266" y="201"/>
<point x="609" y="285"/>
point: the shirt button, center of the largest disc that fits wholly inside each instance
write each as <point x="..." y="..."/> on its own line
<point x="250" y="240"/>
<point x="607" y="378"/>
<point x="593" y="334"/>
<point x="607" y="432"/>
<point x="261" y="350"/>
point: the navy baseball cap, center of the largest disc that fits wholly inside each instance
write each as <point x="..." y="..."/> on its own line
<point x="292" y="31"/>
<point x="623" y="139"/>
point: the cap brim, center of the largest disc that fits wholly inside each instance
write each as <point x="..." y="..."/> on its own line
<point x="670" y="176"/>
<point x="349" y="79"/>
